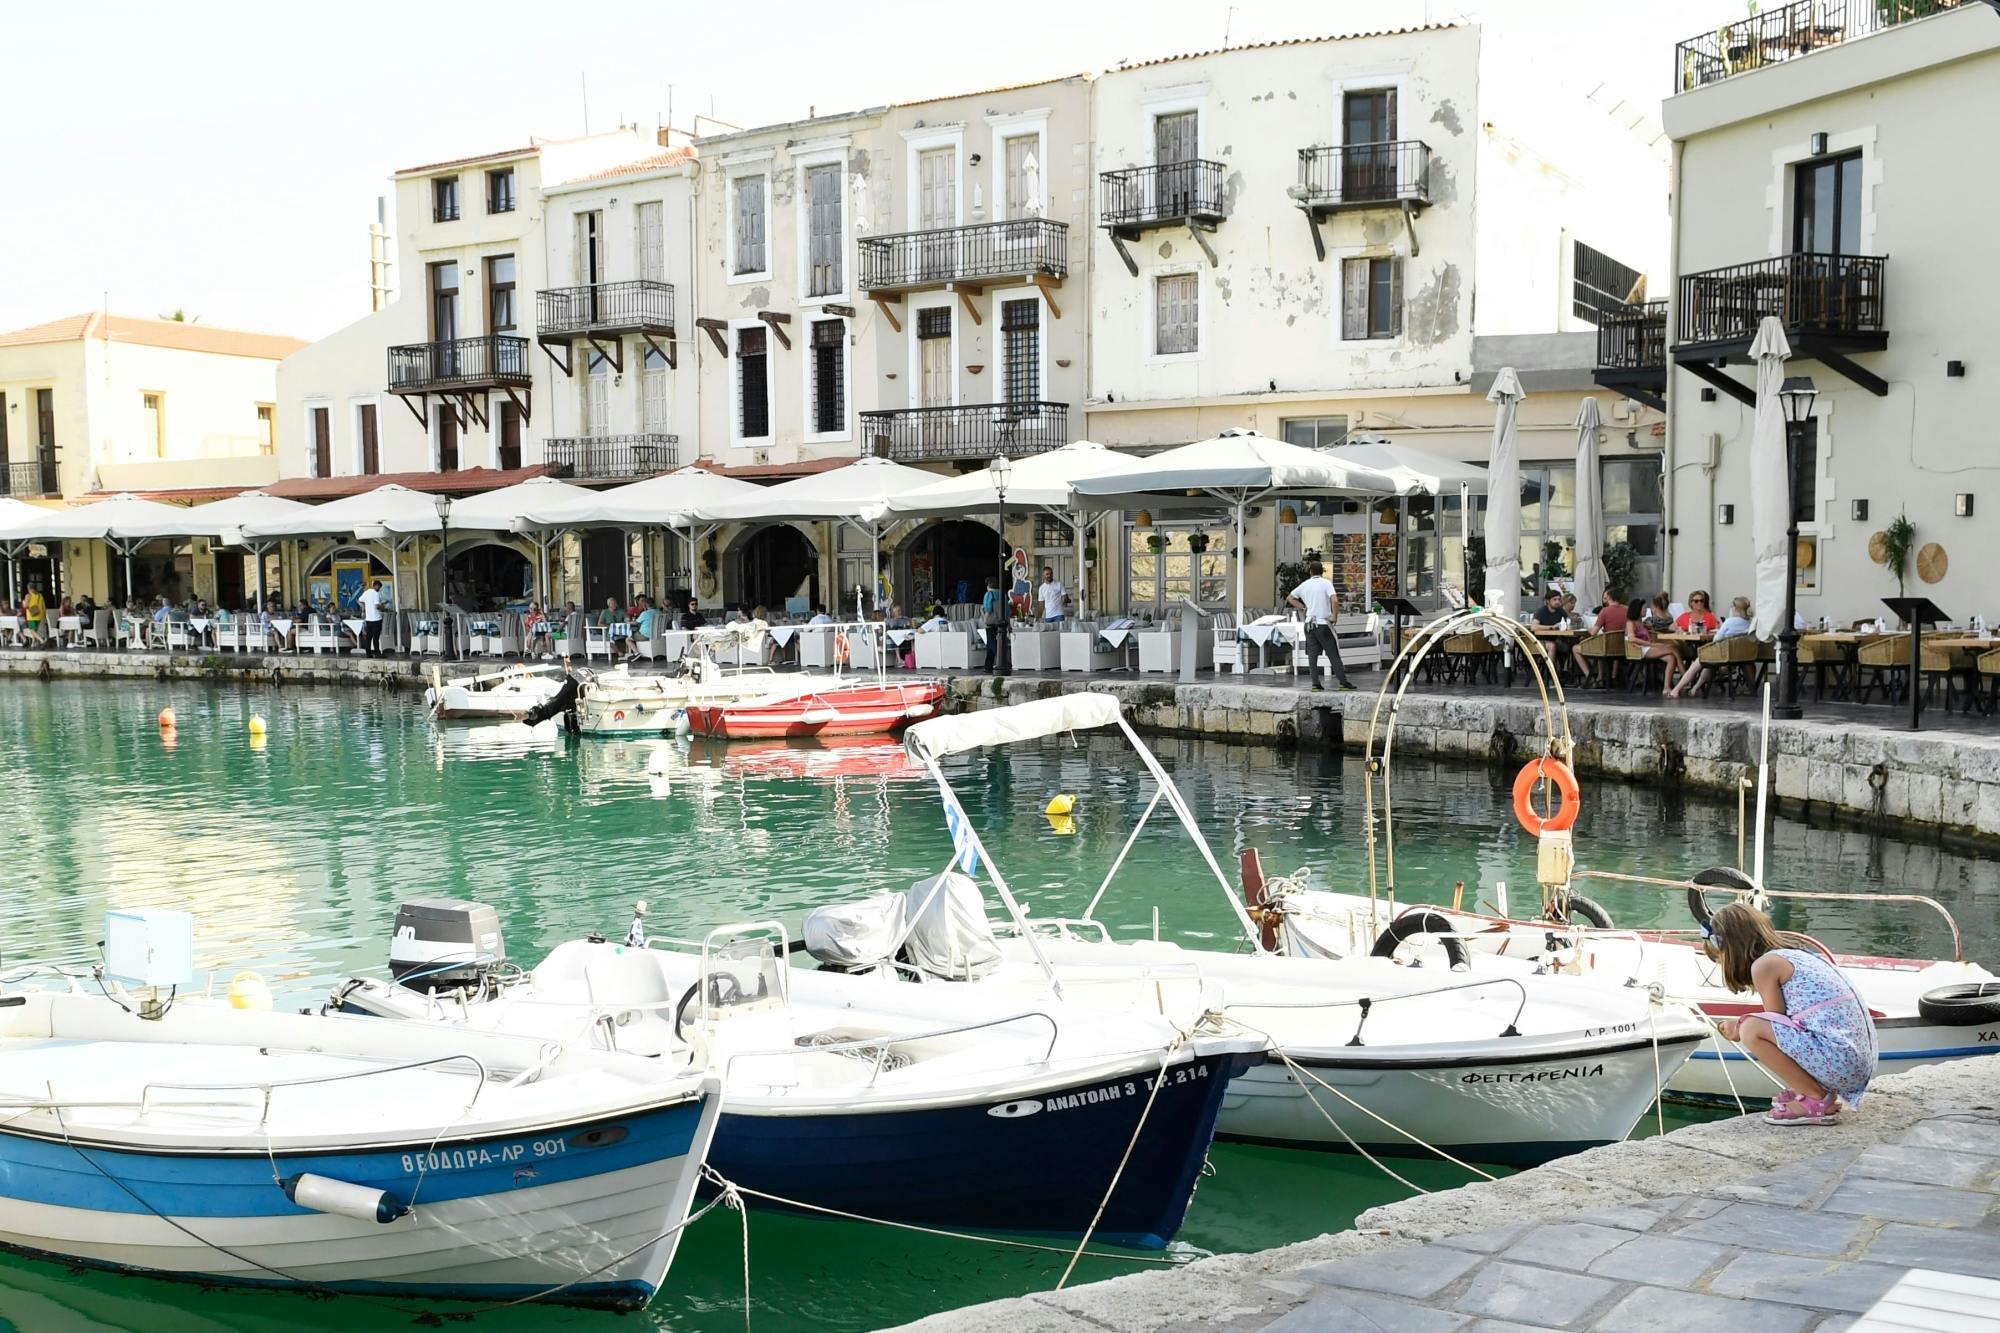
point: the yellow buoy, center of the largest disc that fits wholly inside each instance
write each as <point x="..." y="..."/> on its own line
<point x="258" y="740"/>
<point x="248" y="991"/>
<point x="1061" y="803"/>
<point x="256" y="724"/>
<point x="166" y="717"/>
<point x="1062" y="824"/>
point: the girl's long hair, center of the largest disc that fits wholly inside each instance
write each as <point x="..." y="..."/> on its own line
<point x="1738" y="935"/>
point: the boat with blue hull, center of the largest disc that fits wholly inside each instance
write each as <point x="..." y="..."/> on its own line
<point x="293" y="1151"/>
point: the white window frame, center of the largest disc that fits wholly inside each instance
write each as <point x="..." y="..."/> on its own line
<point x="1166" y="101"/>
<point x="735" y="168"/>
<point x="645" y="376"/>
<point x="1393" y="77"/>
<point x="1154" y="356"/>
<point x="1017" y="125"/>
<point x="638" y="236"/>
<point x="914" y="143"/>
<point x="354" y="406"/>
<point x="804" y="344"/>
<point x="1337" y="258"/>
<point x="435" y="429"/>
<point x="1781" y="198"/>
<point x="818" y="157"/>
<point x="310" y="406"/>
<point x="736" y="436"/>
<point x="927" y="301"/>
<point x="1000" y="296"/>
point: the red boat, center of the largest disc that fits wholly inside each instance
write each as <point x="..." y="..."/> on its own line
<point x="847" y="710"/>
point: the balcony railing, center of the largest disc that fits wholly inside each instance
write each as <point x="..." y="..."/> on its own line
<point x="35" y="477"/>
<point x="490" y="361"/>
<point x="1364" y="175"/>
<point x="638" y="306"/>
<point x="1833" y="295"/>
<point x="1788" y="32"/>
<point x="1138" y="197"/>
<point x="1017" y="248"/>
<point x="973" y="430"/>
<point x="605" y="456"/>
<point x="1633" y="337"/>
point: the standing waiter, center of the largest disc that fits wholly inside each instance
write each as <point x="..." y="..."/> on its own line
<point x="1321" y="603"/>
<point x="370" y="603"/>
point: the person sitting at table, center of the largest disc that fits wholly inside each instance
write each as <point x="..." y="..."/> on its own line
<point x="1697" y="619"/>
<point x="648" y="617"/>
<point x="1695" y="679"/>
<point x="935" y="623"/>
<point x="896" y="620"/>
<point x="1639" y="630"/>
<point x="691" y="616"/>
<point x="820" y="617"/>
<point x="1612" y="618"/>
<point x="1572" y="618"/>
<point x="1659" y="614"/>
<point x="617" y="630"/>
<point x="1549" y="615"/>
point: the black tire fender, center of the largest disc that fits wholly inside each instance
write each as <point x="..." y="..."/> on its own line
<point x="1968" y="1004"/>
<point x="1715" y="877"/>
<point x="1588" y="911"/>
<point x="1413" y="924"/>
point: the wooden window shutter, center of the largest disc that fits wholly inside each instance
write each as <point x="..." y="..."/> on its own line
<point x="1354" y="299"/>
<point x="1395" y="297"/>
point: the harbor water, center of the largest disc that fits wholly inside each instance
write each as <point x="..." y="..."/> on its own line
<point x="294" y="847"/>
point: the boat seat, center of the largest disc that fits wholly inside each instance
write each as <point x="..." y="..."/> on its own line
<point x="621" y="978"/>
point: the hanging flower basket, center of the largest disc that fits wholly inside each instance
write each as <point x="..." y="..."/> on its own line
<point x="1197" y="542"/>
<point x="1156" y="543"/>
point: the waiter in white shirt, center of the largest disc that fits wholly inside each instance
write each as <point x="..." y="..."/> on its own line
<point x="1321" y="603"/>
<point x="370" y="603"/>
<point x="1054" y="596"/>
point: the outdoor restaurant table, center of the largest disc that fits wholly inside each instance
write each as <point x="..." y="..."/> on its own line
<point x="1117" y="637"/>
<point x="782" y="635"/>
<point x="1966" y="642"/>
<point x="1264" y="636"/>
<point x="899" y="637"/>
<point x="199" y="627"/>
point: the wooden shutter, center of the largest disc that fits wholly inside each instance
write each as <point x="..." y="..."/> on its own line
<point x="1354" y="299"/>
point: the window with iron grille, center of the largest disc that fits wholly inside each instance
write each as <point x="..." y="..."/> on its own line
<point x="1177" y="314"/>
<point x="1371" y="303"/>
<point x="1021" y="326"/>
<point x="829" y="362"/>
<point x="1599" y="284"/>
<point x="753" y="400"/>
<point x="1052" y="531"/>
<point x="748" y="193"/>
<point x="934" y="322"/>
<point x="823" y="276"/>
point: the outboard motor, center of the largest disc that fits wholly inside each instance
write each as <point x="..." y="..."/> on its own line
<point x="562" y="704"/>
<point x="445" y="944"/>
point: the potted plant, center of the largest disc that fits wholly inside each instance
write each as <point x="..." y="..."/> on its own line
<point x="1090" y="556"/>
<point x="1621" y="569"/>
<point x="1155" y="542"/>
<point x="1898" y="540"/>
<point x="1197" y="542"/>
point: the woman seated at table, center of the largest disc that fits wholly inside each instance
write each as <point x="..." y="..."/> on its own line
<point x="1572" y="618"/>
<point x="1695" y="679"/>
<point x="1658" y="614"/>
<point x="1640" y="631"/>
<point x="1697" y="619"/>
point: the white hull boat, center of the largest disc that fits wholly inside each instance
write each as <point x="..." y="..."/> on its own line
<point x="292" y="1151"/>
<point x="866" y="1094"/>
<point x="507" y="695"/>
<point x="619" y="703"/>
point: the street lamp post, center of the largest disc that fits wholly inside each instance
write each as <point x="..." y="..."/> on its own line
<point x="1003" y="654"/>
<point x="1797" y="395"/>
<point x="447" y="641"/>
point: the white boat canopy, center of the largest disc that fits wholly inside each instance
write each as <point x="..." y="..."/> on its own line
<point x="940" y="736"/>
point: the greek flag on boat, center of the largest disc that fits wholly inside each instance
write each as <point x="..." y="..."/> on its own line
<point x="960" y="825"/>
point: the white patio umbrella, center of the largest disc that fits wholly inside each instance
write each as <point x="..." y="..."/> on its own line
<point x="124" y="523"/>
<point x="225" y="519"/>
<point x="501" y="511"/>
<point x="389" y="513"/>
<point x="1422" y="472"/>
<point x="857" y="495"/>
<point x="17" y="514"/>
<point x="1242" y="467"/>
<point x="1503" y="508"/>
<point x="1044" y="481"/>
<point x="668" y="501"/>
<point x="1770" y="482"/>
<point x="1590" y="575"/>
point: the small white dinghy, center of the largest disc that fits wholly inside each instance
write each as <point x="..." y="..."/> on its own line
<point x="506" y="695"/>
<point x="1388" y="1060"/>
<point x="315" y="1154"/>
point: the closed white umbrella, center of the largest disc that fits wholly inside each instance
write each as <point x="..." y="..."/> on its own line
<point x="1503" y="502"/>
<point x="1242" y="467"/>
<point x="1770" y="485"/>
<point x="1590" y="573"/>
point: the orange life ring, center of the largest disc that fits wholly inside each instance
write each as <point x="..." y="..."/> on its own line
<point x="1531" y="774"/>
<point x="840" y="647"/>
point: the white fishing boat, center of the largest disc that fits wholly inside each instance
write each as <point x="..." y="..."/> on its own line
<point x="1926" y="1011"/>
<point x="1368" y="1056"/>
<point x="508" y="694"/>
<point x="865" y="1094"/>
<point x="196" y="1141"/>
<point x="620" y="702"/>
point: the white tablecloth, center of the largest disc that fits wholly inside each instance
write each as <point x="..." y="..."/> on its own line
<point x="899" y="637"/>
<point x="1282" y="633"/>
<point x="782" y="635"/>
<point x="1116" y="637"/>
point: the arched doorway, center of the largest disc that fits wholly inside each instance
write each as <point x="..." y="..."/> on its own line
<point x="335" y="579"/>
<point x="775" y="565"/>
<point x="949" y="562"/>
<point x="485" y="576"/>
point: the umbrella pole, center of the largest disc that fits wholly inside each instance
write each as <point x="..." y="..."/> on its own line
<point x="875" y="531"/>
<point x="1238" y="556"/>
<point x="1082" y="574"/>
<point x="1465" y="543"/>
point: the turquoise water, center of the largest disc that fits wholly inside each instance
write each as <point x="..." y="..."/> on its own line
<point x="294" y="853"/>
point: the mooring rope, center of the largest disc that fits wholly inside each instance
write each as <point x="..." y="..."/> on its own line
<point x="1159" y="1081"/>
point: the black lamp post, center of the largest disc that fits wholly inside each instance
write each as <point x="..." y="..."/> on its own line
<point x="447" y="641"/>
<point x="1797" y="395"/>
<point x="1003" y="654"/>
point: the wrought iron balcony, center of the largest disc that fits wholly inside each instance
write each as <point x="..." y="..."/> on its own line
<point x="972" y="256"/>
<point x="35" y="477"/>
<point x="1132" y="199"/>
<point x="967" y="431"/>
<point x="602" y="457"/>
<point x="1364" y="175"/>
<point x="1833" y="296"/>
<point x="1788" y="32"/>
<point x="491" y="361"/>
<point x="1632" y="351"/>
<point x="608" y="308"/>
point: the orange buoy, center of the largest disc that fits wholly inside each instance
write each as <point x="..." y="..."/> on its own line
<point x="166" y="718"/>
<point x="1532" y="774"/>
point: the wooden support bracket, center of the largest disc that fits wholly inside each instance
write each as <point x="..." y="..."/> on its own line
<point x="715" y="329"/>
<point x="1710" y="373"/>
<point x="1410" y="226"/>
<point x="613" y="351"/>
<point x="1319" y="239"/>
<point x="523" y="404"/>
<point x="562" y="362"/>
<point x="883" y="301"/>
<point x="1118" y="244"/>
<point x="474" y="405"/>
<point x="420" y="413"/>
<point x="776" y="320"/>
<point x="666" y="352"/>
<point x="965" y="294"/>
<point x="1202" y="241"/>
<point x="1048" y="287"/>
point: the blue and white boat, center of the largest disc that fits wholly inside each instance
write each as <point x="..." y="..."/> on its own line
<point x="865" y="1094"/>
<point x="295" y="1151"/>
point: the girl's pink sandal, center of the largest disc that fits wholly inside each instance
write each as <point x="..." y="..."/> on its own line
<point x="1801" y="1110"/>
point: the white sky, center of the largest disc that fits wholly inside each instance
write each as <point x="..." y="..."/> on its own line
<point x="225" y="157"/>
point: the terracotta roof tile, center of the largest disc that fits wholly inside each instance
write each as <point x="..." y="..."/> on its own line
<point x="1287" y="41"/>
<point x="157" y="333"/>
<point x="172" y="495"/>
<point x="811" y="467"/>
<point x="672" y="157"/>
<point x="466" y="481"/>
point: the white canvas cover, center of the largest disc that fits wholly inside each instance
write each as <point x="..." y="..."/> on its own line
<point x="940" y="736"/>
<point x="950" y="936"/>
<point x="1416" y="471"/>
<point x="1770" y="480"/>
<point x="667" y="501"/>
<point x="1503" y="482"/>
<point x="1243" y="461"/>
<point x="125" y="517"/>
<point x="225" y="518"/>
<point x="1590" y="575"/>
<point x="859" y="491"/>
<point x="388" y="505"/>
<point x="497" y="511"/>
<point x="1045" y="480"/>
<point x="856" y="934"/>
